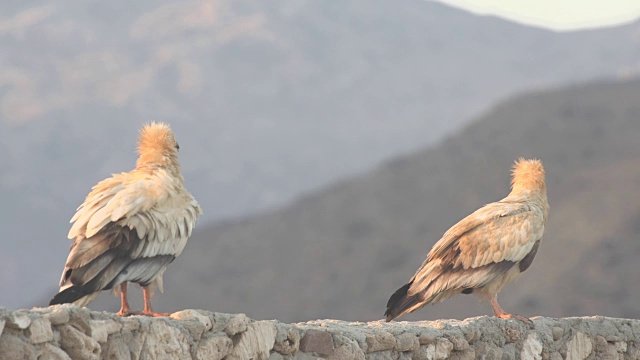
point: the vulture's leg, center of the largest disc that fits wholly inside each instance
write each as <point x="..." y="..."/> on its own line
<point x="498" y="312"/>
<point x="147" y="304"/>
<point x="125" y="310"/>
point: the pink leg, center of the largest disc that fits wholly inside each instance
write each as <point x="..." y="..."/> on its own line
<point x="125" y="310"/>
<point x="498" y="312"/>
<point x="147" y="304"/>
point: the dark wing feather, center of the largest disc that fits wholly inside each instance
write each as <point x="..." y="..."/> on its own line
<point x="105" y="261"/>
<point x="479" y="248"/>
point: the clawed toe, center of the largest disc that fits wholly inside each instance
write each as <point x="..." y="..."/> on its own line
<point x="525" y="320"/>
<point x="155" y="314"/>
<point x="125" y="313"/>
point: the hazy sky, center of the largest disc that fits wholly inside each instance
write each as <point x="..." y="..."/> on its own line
<point x="556" y="14"/>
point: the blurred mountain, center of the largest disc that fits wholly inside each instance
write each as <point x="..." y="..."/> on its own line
<point x="268" y="99"/>
<point x="341" y="252"/>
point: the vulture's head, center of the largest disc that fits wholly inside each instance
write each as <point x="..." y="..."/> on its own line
<point x="157" y="146"/>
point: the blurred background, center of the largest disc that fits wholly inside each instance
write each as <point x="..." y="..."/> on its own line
<point x="330" y="144"/>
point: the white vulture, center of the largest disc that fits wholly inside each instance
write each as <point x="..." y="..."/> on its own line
<point x="130" y="226"/>
<point x="484" y="251"/>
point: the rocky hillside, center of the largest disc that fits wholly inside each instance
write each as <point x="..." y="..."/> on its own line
<point x="69" y="332"/>
<point x="268" y="99"/>
<point x="341" y="252"/>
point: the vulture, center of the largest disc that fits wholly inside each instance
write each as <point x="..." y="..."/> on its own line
<point x="130" y="226"/>
<point x="484" y="251"/>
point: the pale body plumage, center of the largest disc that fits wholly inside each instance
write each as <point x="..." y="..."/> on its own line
<point x="131" y="225"/>
<point x="484" y="251"/>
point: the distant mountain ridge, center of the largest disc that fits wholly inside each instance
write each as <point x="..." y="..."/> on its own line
<point x="341" y="252"/>
<point x="269" y="100"/>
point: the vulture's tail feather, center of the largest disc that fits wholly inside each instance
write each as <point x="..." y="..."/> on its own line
<point x="101" y="273"/>
<point x="71" y="294"/>
<point x="400" y="303"/>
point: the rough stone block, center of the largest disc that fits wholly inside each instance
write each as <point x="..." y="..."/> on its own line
<point x="18" y="320"/>
<point x="317" y="341"/>
<point x="80" y="321"/>
<point x="77" y="344"/>
<point x="608" y="353"/>
<point x="275" y="356"/>
<point x="287" y="341"/>
<point x="381" y="355"/>
<point x="380" y="341"/>
<point x="348" y="350"/>
<point x="237" y="324"/>
<point x="555" y="356"/>
<point x="101" y="329"/>
<point x="195" y="322"/>
<point x="443" y="348"/>
<point x="219" y="321"/>
<point x="59" y="316"/>
<point x="469" y="354"/>
<point x="532" y="347"/>
<point x="406" y="342"/>
<point x="116" y="348"/>
<point x="428" y="337"/>
<point x="193" y="315"/>
<point x="130" y="324"/>
<point x="557" y="333"/>
<point x="39" y="331"/>
<point x="600" y="341"/>
<point x="12" y="347"/>
<point x="509" y="352"/>
<point x="512" y="334"/>
<point x="621" y="346"/>
<point x="459" y="342"/>
<point x="609" y="350"/>
<point x="579" y="347"/>
<point x="425" y="352"/>
<point x="488" y="351"/>
<point x="50" y="352"/>
<point x="135" y="341"/>
<point x="612" y="338"/>
<point x="256" y="342"/>
<point x="164" y="341"/>
<point x="214" y="347"/>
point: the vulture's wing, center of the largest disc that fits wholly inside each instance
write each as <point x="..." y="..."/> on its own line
<point x="479" y="248"/>
<point x="128" y="229"/>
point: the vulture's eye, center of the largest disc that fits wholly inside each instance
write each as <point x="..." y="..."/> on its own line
<point x="177" y="146"/>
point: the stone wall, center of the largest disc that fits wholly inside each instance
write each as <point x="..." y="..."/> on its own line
<point x="69" y="332"/>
